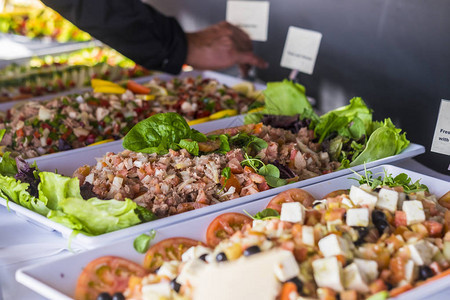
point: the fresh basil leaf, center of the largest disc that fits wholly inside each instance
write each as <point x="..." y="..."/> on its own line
<point x="190" y="146"/>
<point x="158" y="133"/>
<point x="269" y="170"/>
<point x="142" y="242"/>
<point x="274" y="181"/>
<point x="267" y="213"/>
<point x="226" y="172"/>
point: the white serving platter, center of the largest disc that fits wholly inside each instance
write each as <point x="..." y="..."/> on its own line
<point x="70" y="162"/>
<point x="57" y="279"/>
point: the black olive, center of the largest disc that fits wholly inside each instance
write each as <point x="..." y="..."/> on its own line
<point x="389" y="286"/>
<point x="407" y="197"/>
<point x="425" y="272"/>
<point x="377" y="189"/>
<point x="118" y="296"/>
<point x="221" y="257"/>
<point x="203" y="257"/>
<point x="174" y="285"/>
<point x="380" y="221"/>
<point x="104" y="296"/>
<point x="252" y="250"/>
<point x="362" y="232"/>
<point x="298" y="283"/>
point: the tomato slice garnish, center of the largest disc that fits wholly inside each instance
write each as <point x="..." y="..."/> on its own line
<point x="166" y="250"/>
<point x="292" y="195"/>
<point x="106" y="274"/>
<point x="224" y="226"/>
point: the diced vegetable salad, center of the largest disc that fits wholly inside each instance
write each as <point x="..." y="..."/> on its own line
<point x="375" y="240"/>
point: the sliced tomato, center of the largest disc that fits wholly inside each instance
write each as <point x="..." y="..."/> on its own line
<point x="106" y="274"/>
<point x="137" y="88"/>
<point x="336" y="193"/>
<point x="224" y="226"/>
<point x="292" y="195"/>
<point x="166" y="250"/>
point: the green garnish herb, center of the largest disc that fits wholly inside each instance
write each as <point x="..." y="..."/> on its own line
<point x="265" y="214"/>
<point x="142" y="242"/>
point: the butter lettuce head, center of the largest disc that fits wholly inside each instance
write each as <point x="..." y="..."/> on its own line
<point x="54" y="187"/>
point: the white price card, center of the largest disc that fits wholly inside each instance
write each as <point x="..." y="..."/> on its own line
<point x="250" y="16"/>
<point x="301" y="49"/>
<point x="441" y="139"/>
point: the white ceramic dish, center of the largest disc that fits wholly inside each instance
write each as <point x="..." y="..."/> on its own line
<point x="57" y="279"/>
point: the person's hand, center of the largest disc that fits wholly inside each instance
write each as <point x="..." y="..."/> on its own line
<point x="221" y="46"/>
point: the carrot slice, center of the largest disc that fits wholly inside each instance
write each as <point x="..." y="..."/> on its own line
<point x="397" y="291"/>
<point x="137" y="88"/>
<point x="287" y="289"/>
<point x="439" y="276"/>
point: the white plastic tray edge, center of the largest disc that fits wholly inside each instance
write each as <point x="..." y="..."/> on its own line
<point x="35" y="276"/>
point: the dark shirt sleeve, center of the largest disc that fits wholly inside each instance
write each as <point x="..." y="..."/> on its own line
<point x="131" y="27"/>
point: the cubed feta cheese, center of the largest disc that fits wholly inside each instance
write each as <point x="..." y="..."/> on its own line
<point x="368" y="267"/>
<point x="422" y="252"/>
<point x="190" y="270"/>
<point x="414" y="212"/>
<point x="334" y="245"/>
<point x="194" y="252"/>
<point x="347" y="202"/>
<point x="308" y="235"/>
<point x="358" y="217"/>
<point x="332" y="225"/>
<point x="287" y="267"/>
<point x="169" y="269"/>
<point x="292" y="212"/>
<point x="328" y="273"/>
<point x="387" y="199"/>
<point x="156" y="290"/>
<point x="259" y="225"/>
<point x="365" y="187"/>
<point x="354" y="279"/>
<point x="410" y="271"/>
<point x="361" y="197"/>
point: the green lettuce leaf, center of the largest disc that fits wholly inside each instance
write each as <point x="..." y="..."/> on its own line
<point x="53" y="188"/>
<point x="100" y="216"/>
<point x="8" y="165"/>
<point x="352" y="121"/>
<point x="14" y="190"/>
<point x="284" y="98"/>
<point x="158" y="134"/>
<point x="383" y="142"/>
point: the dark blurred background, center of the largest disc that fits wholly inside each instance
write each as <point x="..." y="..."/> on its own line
<point x="395" y="54"/>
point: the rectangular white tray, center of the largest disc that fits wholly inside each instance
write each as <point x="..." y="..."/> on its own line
<point x="57" y="279"/>
<point x="70" y="162"/>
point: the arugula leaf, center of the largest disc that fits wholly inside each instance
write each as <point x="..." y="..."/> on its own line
<point x="142" y="242"/>
<point x="265" y="214"/>
<point x="254" y="163"/>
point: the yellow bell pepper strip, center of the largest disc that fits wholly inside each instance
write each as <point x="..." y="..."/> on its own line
<point x="223" y="113"/>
